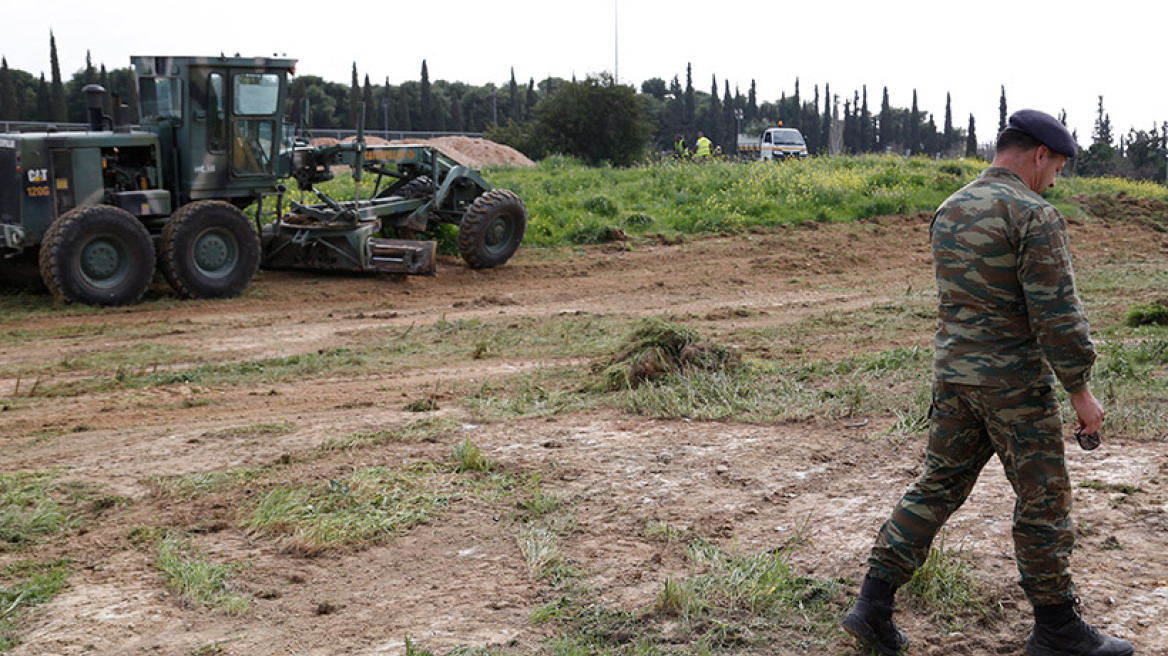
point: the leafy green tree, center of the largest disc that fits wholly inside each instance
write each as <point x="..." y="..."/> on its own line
<point x="596" y="120"/>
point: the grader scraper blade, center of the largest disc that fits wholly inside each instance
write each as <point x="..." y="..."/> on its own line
<point x="402" y="256"/>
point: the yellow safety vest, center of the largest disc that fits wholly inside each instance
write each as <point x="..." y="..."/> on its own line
<point x="703" y="147"/>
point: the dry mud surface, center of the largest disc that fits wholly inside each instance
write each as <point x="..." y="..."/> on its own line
<point x="461" y="579"/>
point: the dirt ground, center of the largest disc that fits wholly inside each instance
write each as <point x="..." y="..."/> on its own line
<point x="461" y="579"/>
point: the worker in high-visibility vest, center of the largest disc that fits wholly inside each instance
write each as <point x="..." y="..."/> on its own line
<point x="679" y="149"/>
<point x="703" y="146"/>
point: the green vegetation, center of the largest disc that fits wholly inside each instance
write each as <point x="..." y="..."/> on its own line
<point x="944" y="587"/>
<point x="35" y="505"/>
<point x="354" y="511"/>
<point x="24" y="585"/>
<point x="1143" y="314"/>
<point x="569" y="203"/>
<point x="196" y="577"/>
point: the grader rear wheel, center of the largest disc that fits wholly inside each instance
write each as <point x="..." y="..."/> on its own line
<point x="97" y="255"/>
<point x="492" y="229"/>
<point x="209" y="250"/>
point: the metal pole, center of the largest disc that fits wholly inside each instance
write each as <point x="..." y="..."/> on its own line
<point x="615" y="42"/>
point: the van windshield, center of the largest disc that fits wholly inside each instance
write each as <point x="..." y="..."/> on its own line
<point x="789" y="138"/>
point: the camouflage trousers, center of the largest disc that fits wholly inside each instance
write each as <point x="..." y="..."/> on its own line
<point x="968" y="425"/>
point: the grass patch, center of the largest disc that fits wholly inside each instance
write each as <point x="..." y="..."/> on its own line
<point x="25" y="585"/>
<point x="197" y="578"/>
<point x="1100" y="486"/>
<point x="253" y="431"/>
<point x="428" y="429"/>
<point x="1144" y="314"/>
<point x="190" y="486"/>
<point x="944" y="587"/>
<point x="737" y="598"/>
<point x="358" y="510"/>
<point x="34" y="505"/>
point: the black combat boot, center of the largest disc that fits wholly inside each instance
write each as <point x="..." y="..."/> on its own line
<point x="1059" y="631"/>
<point x="870" y="621"/>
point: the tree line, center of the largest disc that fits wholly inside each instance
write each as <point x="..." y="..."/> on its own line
<point x="599" y="120"/>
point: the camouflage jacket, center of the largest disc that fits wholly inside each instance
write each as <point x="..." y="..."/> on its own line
<point x="1008" y="313"/>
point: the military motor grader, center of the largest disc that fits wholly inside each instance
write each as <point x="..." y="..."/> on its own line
<point x="92" y="214"/>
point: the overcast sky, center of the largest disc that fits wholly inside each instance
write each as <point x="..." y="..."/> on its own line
<point x="1049" y="56"/>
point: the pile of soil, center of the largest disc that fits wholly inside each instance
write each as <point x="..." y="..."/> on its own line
<point x="474" y="152"/>
<point x="1150" y="212"/>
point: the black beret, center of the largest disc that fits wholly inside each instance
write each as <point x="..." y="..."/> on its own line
<point x="1045" y="129"/>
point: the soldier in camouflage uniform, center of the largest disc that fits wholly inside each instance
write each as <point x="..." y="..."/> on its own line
<point x="1009" y="325"/>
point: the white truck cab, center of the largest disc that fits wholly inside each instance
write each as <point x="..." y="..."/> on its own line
<point x="774" y="143"/>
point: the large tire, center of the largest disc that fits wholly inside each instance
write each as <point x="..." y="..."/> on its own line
<point x="209" y="250"/>
<point x="492" y="229"/>
<point x="97" y="255"/>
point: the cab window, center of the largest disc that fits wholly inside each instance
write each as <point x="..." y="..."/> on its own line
<point x="216" y="114"/>
<point x="257" y="94"/>
<point x="160" y="97"/>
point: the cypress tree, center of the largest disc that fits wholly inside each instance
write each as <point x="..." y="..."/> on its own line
<point x="914" y="127"/>
<point x="57" y="107"/>
<point x="1002" y="110"/>
<point x="810" y="123"/>
<point x="971" y="140"/>
<point x="867" y="134"/>
<point x="729" y="123"/>
<point x="354" y="98"/>
<point x="532" y="99"/>
<point x="44" y="100"/>
<point x="886" y="131"/>
<point x="370" y="108"/>
<point x="713" y="122"/>
<point x="690" y="102"/>
<point x="514" y="111"/>
<point x="426" y="110"/>
<point x="825" y="143"/>
<point x="947" y="137"/>
<point x="752" y="103"/>
<point x="7" y="95"/>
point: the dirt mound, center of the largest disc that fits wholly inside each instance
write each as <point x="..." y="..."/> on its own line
<point x="1121" y="207"/>
<point x="474" y="152"/>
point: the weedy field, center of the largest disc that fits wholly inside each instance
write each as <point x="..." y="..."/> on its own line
<point x="646" y="442"/>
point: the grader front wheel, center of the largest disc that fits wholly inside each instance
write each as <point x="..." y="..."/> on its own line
<point x="492" y="229"/>
<point x="97" y="255"/>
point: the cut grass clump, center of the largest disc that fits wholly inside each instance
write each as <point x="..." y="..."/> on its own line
<point x="24" y="585"/>
<point x="1145" y="314"/>
<point x="657" y="348"/>
<point x="356" y="511"/>
<point x="197" y="578"/>
<point x="34" y="505"/>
